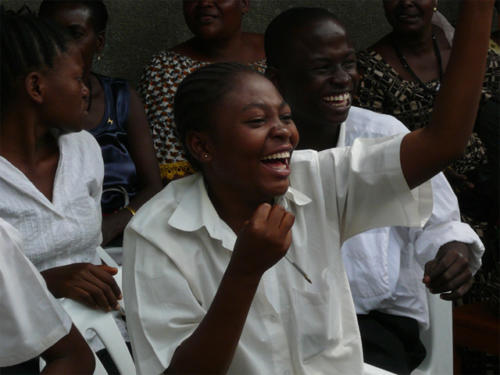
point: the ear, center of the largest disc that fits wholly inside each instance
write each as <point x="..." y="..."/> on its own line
<point x="200" y="146"/>
<point x="101" y="41"/>
<point x="34" y="85"/>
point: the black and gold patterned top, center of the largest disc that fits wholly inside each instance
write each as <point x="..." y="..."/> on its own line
<point x="158" y="86"/>
<point x="383" y="90"/>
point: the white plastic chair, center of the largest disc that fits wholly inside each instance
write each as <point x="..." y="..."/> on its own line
<point x="372" y="370"/>
<point x="104" y="325"/>
<point x="106" y="329"/>
<point x="438" y="339"/>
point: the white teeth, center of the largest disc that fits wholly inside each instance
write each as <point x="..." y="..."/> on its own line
<point x="337" y="98"/>
<point x="278" y="155"/>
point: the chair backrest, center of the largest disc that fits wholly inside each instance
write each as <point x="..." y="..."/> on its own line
<point x="438" y="339"/>
<point x="106" y="329"/>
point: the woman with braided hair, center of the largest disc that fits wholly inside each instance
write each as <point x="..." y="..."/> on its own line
<point x="41" y="90"/>
<point x="237" y="268"/>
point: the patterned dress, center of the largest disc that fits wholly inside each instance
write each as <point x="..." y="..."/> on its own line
<point x="158" y="86"/>
<point x="383" y="90"/>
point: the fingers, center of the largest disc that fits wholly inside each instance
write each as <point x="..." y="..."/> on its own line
<point x="460" y="292"/>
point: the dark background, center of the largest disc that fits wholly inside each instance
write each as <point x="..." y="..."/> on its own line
<point x="137" y="29"/>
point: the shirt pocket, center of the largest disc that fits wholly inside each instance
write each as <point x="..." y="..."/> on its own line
<point x="314" y="319"/>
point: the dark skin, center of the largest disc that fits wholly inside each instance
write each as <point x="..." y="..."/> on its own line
<point x="320" y="62"/>
<point x="216" y="25"/>
<point x="43" y="99"/>
<point x="77" y="19"/>
<point x="70" y="355"/>
<point x="254" y="123"/>
<point x="413" y="36"/>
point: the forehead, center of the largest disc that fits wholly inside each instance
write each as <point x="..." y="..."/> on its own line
<point x="71" y="14"/>
<point x="251" y="89"/>
<point x="318" y="38"/>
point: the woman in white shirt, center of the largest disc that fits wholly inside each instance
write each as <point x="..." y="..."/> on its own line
<point x="32" y="322"/>
<point x="50" y="172"/>
<point x="206" y="287"/>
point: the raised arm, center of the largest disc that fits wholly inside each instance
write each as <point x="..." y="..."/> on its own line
<point x="426" y="151"/>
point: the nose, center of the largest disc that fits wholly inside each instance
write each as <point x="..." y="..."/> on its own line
<point x="281" y="130"/>
<point x="340" y="77"/>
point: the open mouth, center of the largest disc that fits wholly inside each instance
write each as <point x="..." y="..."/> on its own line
<point x="338" y="101"/>
<point x="405" y="17"/>
<point x="206" y="18"/>
<point x="279" y="161"/>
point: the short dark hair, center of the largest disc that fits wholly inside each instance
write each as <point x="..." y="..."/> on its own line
<point x="98" y="11"/>
<point x="197" y="95"/>
<point x="283" y="27"/>
<point x="28" y="44"/>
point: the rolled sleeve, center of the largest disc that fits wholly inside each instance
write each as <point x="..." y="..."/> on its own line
<point x="445" y="226"/>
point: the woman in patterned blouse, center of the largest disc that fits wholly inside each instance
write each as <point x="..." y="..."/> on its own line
<point x="216" y="26"/>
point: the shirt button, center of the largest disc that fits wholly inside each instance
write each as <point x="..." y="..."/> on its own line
<point x="274" y="318"/>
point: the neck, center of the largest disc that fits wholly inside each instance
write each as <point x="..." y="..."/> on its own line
<point x="232" y="205"/>
<point x="219" y="50"/>
<point x="22" y="139"/>
<point x="414" y="44"/>
<point x="317" y="136"/>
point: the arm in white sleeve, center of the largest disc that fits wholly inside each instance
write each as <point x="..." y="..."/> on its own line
<point x="445" y="226"/>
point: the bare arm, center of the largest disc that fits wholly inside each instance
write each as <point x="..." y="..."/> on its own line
<point x="263" y="241"/>
<point x="70" y="355"/>
<point x="426" y="151"/>
<point x="146" y="165"/>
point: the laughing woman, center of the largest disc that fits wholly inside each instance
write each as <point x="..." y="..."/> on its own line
<point x="50" y="171"/>
<point x="204" y="259"/>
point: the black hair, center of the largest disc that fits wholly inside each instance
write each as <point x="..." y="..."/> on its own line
<point x="98" y="11"/>
<point x="198" y="93"/>
<point x="28" y="44"/>
<point x="282" y="29"/>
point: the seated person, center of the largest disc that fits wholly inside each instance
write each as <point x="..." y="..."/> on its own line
<point x="115" y="117"/>
<point x="50" y="171"/>
<point x="203" y="260"/>
<point x="217" y="37"/>
<point x="32" y="322"/>
<point x="306" y="49"/>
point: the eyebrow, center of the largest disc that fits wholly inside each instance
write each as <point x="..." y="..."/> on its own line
<point x="261" y="106"/>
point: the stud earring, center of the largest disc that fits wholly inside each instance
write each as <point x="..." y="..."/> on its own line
<point x="435" y="9"/>
<point x="99" y="58"/>
<point x="205" y="156"/>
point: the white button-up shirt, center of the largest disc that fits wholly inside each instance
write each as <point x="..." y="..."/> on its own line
<point x="31" y="320"/>
<point x="177" y="248"/>
<point x="385" y="265"/>
<point x="67" y="229"/>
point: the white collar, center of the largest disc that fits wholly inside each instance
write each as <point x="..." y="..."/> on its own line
<point x="195" y="210"/>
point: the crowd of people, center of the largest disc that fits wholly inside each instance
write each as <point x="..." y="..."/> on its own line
<point x="246" y="249"/>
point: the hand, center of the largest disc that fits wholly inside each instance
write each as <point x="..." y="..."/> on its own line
<point x="449" y="273"/>
<point x="87" y="283"/>
<point x="263" y="240"/>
